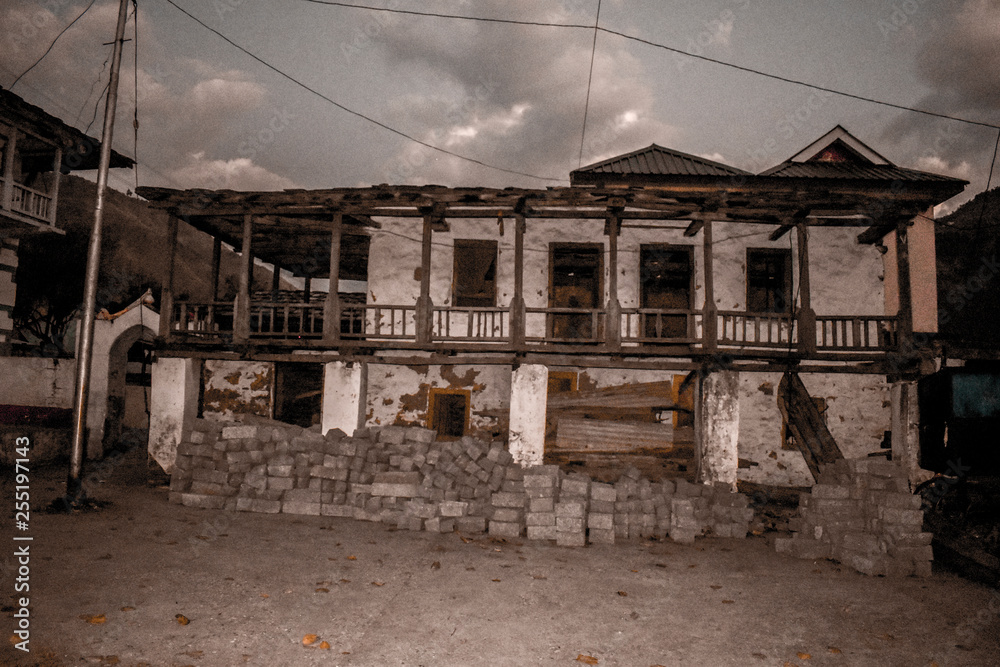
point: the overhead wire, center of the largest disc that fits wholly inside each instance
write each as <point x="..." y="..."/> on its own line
<point x="53" y="43"/>
<point x="590" y="78"/>
<point x="135" y="91"/>
<point x="358" y="114"/>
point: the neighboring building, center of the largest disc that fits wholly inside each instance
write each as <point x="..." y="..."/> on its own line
<point x="661" y="310"/>
<point x="35" y="148"/>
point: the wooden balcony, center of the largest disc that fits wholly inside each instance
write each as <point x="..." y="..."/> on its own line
<point x="35" y="205"/>
<point x="646" y="331"/>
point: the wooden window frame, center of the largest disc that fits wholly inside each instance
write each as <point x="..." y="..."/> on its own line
<point x="572" y="376"/>
<point x="563" y="245"/>
<point x="473" y="243"/>
<point x="432" y="395"/>
<point x="786" y="255"/>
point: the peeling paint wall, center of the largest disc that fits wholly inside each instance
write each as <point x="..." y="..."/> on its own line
<point x="400" y="395"/>
<point x="857" y="414"/>
<point x="237" y="387"/>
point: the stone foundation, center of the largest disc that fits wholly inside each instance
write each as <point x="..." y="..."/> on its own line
<point x="404" y="477"/>
<point x="861" y="513"/>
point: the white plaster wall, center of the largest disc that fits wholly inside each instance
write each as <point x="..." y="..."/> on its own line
<point x="923" y="273"/>
<point x="8" y="288"/>
<point x="237" y="387"/>
<point x="526" y="438"/>
<point x="858" y="413"/>
<point x="47" y="383"/>
<point x="344" y="389"/>
<point x="175" y="401"/>
<point x="400" y="394"/>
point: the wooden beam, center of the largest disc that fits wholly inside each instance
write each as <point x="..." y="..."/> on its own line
<point x="425" y="307"/>
<point x="905" y="313"/>
<point x="613" y="327"/>
<point x="216" y="267"/>
<point x="709" y="323"/>
<point x="517" y="319"/>
<point x="241" y="309"/>
<point x="56" y="177"/>
<point x="875" y="233"/>
<point x="780" y="231"/>
<point x="167" y="290"/>
<point x="807" y="316"/>
<point x="331" y="308"/>
<point x="694" y="228"/>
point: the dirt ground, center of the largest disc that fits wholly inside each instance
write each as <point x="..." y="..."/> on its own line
<point x="107" y="586"/>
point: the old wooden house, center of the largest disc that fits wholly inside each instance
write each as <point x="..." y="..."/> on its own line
<point x="663" y="309"/>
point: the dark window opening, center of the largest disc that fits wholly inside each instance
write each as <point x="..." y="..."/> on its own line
<point x="298" y="393"/>
<point x="449" y="412"/>
<point x="665" y="275"/>
<point x="475" y="277"/>
<point x="576" y="282"/>
<point x="769" y="280"/>
<point x="561" y="382"/>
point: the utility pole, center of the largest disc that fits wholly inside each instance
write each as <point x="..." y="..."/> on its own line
<point x="74" y="484"/>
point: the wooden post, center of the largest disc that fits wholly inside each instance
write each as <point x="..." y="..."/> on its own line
<point x="57" y="176"/>
<point x="10" y="154"/>
<point x="307" y="289"/>
<point x="241" y="311"/>
<point x="167" y="290"/>
<point x="216" y="267"/>
<point x="275" y="280"/>
<point x="331" y="308"/>
<point x="709" y="317"/>
<point x="613" y="324"/>
<point x="807" y="316"/>
<point x="425" y="307"/>
<point x="905" y="312"/>
<point x="517" y="324"/>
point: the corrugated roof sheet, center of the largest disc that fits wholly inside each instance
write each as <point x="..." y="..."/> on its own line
<point x="659" y="161"/>
<point x="853" y="170"/>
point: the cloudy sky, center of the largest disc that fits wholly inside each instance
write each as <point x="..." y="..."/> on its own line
<point x="509" y="96"/>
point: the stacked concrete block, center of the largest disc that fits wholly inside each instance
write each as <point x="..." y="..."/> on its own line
<point x="861" y="513"/>
<point x="541" y="485"/>
<point x="571" y="511"/>
<point x="601" y="514"/>
<point x="405" y="477"/>
<point x="508" y="506"/>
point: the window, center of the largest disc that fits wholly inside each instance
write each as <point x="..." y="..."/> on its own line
<point x="448" y="412"/>
<point x="561" y="382"/>
<point x="665" y="274"/>
<point x="769" y="280"/>
<point x="575" y="281"/>
<point x="298" y="393"/>
<point x="475" y="277"/>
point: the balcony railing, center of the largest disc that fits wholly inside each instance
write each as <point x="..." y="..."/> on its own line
<point x="30" y="202"/>
<point x="648" y="328"/>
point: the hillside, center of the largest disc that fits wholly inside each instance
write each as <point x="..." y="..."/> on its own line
<point x="969" y="272"/>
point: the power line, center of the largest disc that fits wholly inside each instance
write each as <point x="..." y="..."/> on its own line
<point x="590" y="78"/>
<point x="40" y="58"/>
<point x="357" y="113"/>
<point x="647" y="42"/>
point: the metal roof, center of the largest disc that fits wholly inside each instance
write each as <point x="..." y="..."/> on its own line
<point x="656" y="160"/>
<point x="854" y="170"/>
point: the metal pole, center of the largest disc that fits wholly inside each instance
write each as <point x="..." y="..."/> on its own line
<point x="74" y="483"/>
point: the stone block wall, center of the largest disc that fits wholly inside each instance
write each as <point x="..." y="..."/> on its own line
<point x="404" y="477"/>
<point x="861" y="513"/>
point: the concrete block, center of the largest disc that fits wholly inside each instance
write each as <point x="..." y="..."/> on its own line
<point x="505" y="529"/>
<point x="575" y="509"/>
<point x="600" y="521"/>
<point x="507" y="499"/>
<point x="298" y="507"/>
<point x="603" y="493"/>
<point x="302" y="495"/>
<point x="258" y="505"/>
<point x="454" y="508"/>
<point x="281" y="483"/>
<point x="597" y="536"/>
<point x="424" y="435"/>
<point x="470" y="524"/>
<point x="234" y="432"/>
<point x="337" y="510"/>
<point x="541" y="504"/>
<point x="203" y="501"/>
<point x="574" y="486"/>
<point x="566" y="524"/>
<point x="507" y="515"/>
<point x="538" y="519"/>
<point x="573" y="539"/>
<point x="542" y="532"/>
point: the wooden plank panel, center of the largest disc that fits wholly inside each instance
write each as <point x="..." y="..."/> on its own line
<point x="576" y="434"/>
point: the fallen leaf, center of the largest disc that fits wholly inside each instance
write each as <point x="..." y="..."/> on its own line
<point x="182" y="619"/>
<point x="128" y="608"/>
<point x="470" y="569"/>
<point x="660" y="564"/>
<point x="202" y="537"/>
<point x="378" y="583"/>
<point x="466" y="540"/>
<point x="345" y="581"/>
<point x="693" y="565"/>
<point x="323" y="583"/>
<point x="759" y="656"/>
<point x="324" y="645"/>
<point x="623" y="594"/>
<point x="817" y="571"/>
<point x="835" y="650"/>
<point x="496" y="580"/>
<point x="436" y="565"/>
<point x="803" y="656"/>
<point x="715" y="587"/>
<point x="264" y="595"/>
<point x="14" y="639"/>
<point x="586" y="659"/>
<point x="194" y="654"/>
<point x="886" y="636"/>
<point x="95" y="619"/>
<point x="322" y="590"/>
<point x="538" y="576"/>
<point x="633" y="570"/>
<point x="729" y="602"/>
<point x="110" y="660"/>
<point x="309" y="640"/>
<point x="352" y="558"/>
